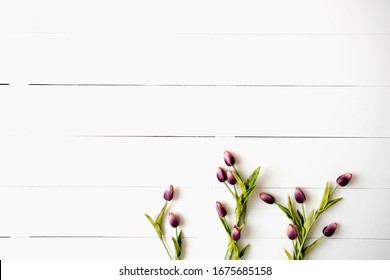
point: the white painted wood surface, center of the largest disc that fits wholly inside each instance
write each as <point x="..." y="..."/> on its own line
<point x="103" y="104"/>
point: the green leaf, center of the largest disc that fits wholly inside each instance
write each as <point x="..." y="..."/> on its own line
<point x="332" y="202"/>
<point x="161" y="215"/>
<point x="311" y="246"/>
<point x="300" y="219"/>
<point x="177" y="249"/>
<point x="150" y="219"/>
<point x="288" y="255"/>
<point x="247" y="195"/>
<point x="156" y="227"/>
<point x="285" y="211"/>
<point x="250" y="182"/>
<point x="325" y="197"/>
<point x="235" y="250"/>
<point x="308" y="221"/>
<point x="180" y="237"/>
<point x="243" y="252"/>
<point x="291" y="209"/>
<point x="225" y="225"/>
<point x="239" y="182"/>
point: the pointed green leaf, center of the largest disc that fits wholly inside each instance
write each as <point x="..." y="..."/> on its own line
<point x="311" y="246"/>
<point x="239" y="182"/>
<point x="150" y="219"/>
<point x="161" y="215"/>
<point x="247" y="195"/>
<point x="300" y="219"/>
<point x="288" y="255"/>
<point x="308" y="221"/>
<point x="243" y="252"/>
<point x="250" y="182"/>
<point x="291" y="209"/>
<point x="225" y="225"/>
<point x="177" y="249"/>
<point x="285" y="211"/>
<point x="325" y="197"/>
<point x="332" y="202"/>
<point x="179" y="238"/>
<point x="156" y="227"/>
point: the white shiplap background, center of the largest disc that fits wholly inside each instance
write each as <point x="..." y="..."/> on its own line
<point x="103" y="104"/>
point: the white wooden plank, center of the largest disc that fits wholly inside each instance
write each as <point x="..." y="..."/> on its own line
<point x="195" y="249"/>
<point x="202" y="59"/>
<point x="189" y="162"/>
<point x="281" y="16"/>
<point x="194" y="111"/>
<point x="119" y="212"/>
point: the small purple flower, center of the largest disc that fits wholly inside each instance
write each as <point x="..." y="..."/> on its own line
<point x="291" y="232"/>
<point x="220" y="209"/>
<point x="344" y="179"/>
<point x="168" y="194"/>
<point x="267" y="198"/>
<point x="230" y="177"/>
<point x="299" y="195"/>
<point x="221" y="174"/>
<point x="236" y="233"/>
<point x="329" y="230"/>
<point x="229" y="158"/>
<point x="173" y="220"/>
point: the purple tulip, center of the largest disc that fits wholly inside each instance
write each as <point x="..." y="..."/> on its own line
<point x="344" y="179"/>
<point x="230" y="177"/>
<point x="221" y="174"/>
<point x="168" y="194"/>
<point x="329" y="230"/>
<point x="291" y="232"/>
<point x="173" y="220"/>
<point x="236" y="233"/>
<point x="299" y="195"/>
<point x="267" y="198"/>
<point x="220" y="209"/>
<point x="229" y="158"/>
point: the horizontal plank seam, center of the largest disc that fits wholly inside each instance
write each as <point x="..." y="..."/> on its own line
<point x="147" y="237"/>
<point x="164" y="187"/>
<point x="207" y="85"/>
<point x="232" y="136"/>
<point x="204" y="33"/>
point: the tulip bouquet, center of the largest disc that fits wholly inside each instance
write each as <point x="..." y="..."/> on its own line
<point x="174" y="221"/>
<point x="301" y="224"/>
<point x="241" y="191"/>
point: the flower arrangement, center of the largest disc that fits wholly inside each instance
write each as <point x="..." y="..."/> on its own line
<point x="301" y="223"/>
<point x="241" y="191"/>
<point x="173" y="220"/>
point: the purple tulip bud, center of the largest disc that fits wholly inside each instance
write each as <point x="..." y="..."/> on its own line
<point x="220" y="209"/>
<point x="230" y="177"/>
<point x="236" y="233"/>
<point x="329" y="230"/>
<point x="267" y="198"/>
<point x="173" y="220"/>
<point x="168" y="194"/>
<point x="221" y="174"/>
<point x="291" y="232"/>
<point x="344" y="179"/>
<point x="299" y="195"/>
<point x="229" y="158"/>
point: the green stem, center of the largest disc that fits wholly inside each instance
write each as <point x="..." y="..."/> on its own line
<point x="303" y="211"/>
<point x="330" y="195"/>
<point x="302" y="243"/>
<point x="166" y="249"/>
<point x="235" y="170"/>
<point x="227" y="251"/>
<point x="230" y="189"/>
